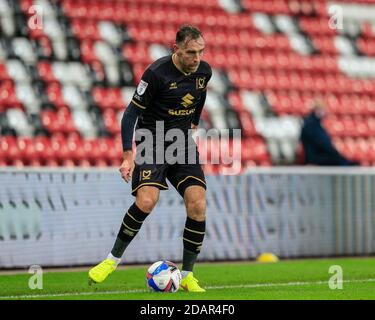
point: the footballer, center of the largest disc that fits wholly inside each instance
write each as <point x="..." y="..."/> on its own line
<point x="172" y="90"/>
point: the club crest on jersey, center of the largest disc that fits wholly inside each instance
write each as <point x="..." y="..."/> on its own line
<point x="173" y="85"/>
<point x="142" y="86"/>
<point x="201" y="82"/>
<point x="146" y="174"/>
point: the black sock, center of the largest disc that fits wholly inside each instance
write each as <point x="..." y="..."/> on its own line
<point x="131" y="224"/>
<point x="193" y="239"/>
<point x="119" y="247"/>
<point x="188" y="260"/>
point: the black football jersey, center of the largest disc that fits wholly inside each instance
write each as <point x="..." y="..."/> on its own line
<point x="167" y="94"/>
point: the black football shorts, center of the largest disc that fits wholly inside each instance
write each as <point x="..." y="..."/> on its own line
<point x="180" y="176"/>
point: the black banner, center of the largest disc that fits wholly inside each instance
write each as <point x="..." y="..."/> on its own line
<point x="177" y="309"/>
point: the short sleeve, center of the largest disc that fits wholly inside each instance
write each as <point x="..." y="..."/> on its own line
<point x="146" y="90"/>
<point x="209" y="73"/>
<point x="208" y="77"/>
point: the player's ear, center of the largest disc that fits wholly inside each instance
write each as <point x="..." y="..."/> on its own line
<point x="175" y="48"/>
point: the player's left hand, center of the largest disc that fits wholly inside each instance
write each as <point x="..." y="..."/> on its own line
<point x="194" y="127"/>
<point x="127" y="166"/>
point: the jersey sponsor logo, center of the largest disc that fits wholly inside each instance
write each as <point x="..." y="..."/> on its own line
<point x="142" y="86"/>
<point x="146" y="174"/>
<point x="187" y="100"/>
<point x="201" y="83"/>
<point x="180" y="112"/>
<point x="173" y="85"/>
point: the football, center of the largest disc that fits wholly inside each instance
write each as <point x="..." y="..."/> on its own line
<point x="163" y="276"/>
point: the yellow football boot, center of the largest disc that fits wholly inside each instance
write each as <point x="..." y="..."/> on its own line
<point x="190" y="284"/>
<point x="101" y="271"/>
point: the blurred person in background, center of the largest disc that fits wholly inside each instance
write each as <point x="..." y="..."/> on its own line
<point x="317" y="144"/>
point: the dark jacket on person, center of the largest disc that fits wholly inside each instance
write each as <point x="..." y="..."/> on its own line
<point x="317" y="144"/>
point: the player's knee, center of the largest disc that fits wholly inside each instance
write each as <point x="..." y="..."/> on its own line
<point x="196" y="209"/>
<point x="146" y="202"/>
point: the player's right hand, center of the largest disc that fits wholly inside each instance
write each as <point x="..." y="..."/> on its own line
<point x="127" y="166"/>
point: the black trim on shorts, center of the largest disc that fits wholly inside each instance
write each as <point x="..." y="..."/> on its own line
<point x="155" y="184"/>
<point x="189" y="181"/>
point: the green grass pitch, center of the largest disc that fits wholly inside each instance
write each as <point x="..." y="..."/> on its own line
<point x="289" y="279"/>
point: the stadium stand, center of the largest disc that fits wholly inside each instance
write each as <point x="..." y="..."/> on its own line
<point x="64" y="86"/>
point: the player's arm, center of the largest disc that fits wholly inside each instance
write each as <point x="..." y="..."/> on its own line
<point x="198" y="110"/>
<point x="128" y="122"/>
<point x="140" y="102"/>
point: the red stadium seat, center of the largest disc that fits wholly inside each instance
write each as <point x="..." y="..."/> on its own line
<point x="87" y="52"/>
<point x="8" y="97"/>
<point x="45" y="71"/>
<point x="85" y="29"/>
<point x="247" y="125"/>
<point x="54" y="95"/>
<point x="9" y="148"/>
<point x="4" y="73"/>
<point x="137" y="53"/>
<point x="111" y="121"/>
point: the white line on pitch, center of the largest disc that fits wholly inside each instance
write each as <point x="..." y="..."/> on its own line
<point x="254" y="285"/>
